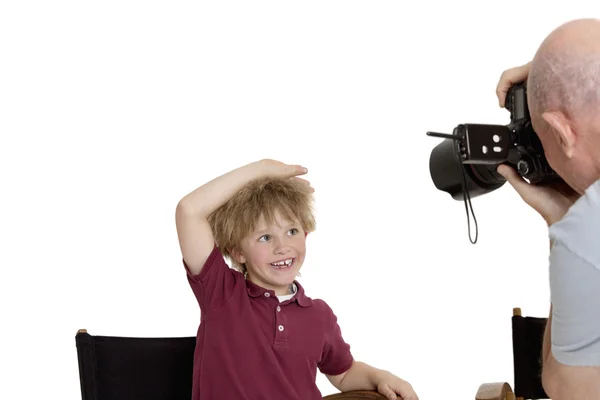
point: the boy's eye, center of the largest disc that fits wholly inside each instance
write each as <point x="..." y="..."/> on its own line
<point x="293" y="231"/>
<point x="264" y="238"/>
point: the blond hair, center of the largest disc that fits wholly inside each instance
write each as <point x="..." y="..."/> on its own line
<point x="264" y="197"/>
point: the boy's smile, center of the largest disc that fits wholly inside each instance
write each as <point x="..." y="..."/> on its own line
<point x="274" y="253"/>
<point x="283" y="264"/>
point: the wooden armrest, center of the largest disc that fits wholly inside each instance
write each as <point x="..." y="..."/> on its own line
<point x="356" y="395"/>
<point x="495" y="391"/>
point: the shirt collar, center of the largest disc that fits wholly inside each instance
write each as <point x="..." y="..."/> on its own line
<point x="299" y="297"/>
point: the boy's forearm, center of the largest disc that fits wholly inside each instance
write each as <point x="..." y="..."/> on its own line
<point x="212" y="195"/>
<point x="360" y="376"/>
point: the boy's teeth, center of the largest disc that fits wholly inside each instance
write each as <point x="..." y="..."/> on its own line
<point x="286" y="263"/>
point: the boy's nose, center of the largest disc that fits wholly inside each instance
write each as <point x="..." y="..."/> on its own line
<point x="281" y="248"/>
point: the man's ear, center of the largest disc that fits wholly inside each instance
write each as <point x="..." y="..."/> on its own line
<point x="562" y="130"/>
<point x="237" y="256"/>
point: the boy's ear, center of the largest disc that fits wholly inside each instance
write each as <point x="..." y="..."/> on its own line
<point x="237" y="256"/>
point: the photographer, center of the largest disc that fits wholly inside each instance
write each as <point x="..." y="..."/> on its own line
<point x="563" y="95"/>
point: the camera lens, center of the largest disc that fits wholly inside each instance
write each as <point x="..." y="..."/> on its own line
<point x="447" y="172"/>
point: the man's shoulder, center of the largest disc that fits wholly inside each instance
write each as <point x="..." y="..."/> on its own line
<point x="592" y="194"/>
<point x="583" y="213"/>
<point x="579" y="229"/>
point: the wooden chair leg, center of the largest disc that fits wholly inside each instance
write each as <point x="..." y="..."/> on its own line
<point x="495" y="391"/>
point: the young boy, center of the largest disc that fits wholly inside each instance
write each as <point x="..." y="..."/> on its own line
<point x="260" y="336"/>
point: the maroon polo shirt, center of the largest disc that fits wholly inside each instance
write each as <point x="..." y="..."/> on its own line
<point x="250" y="346"/>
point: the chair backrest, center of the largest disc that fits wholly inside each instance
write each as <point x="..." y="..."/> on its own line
<point x="126" y="368"/>
<point x="527" y="335"/>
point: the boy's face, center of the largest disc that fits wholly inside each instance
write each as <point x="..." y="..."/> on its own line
<point x="273" y="253"/>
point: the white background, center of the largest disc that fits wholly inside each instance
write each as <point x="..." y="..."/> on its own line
<point x="111" y="111"/>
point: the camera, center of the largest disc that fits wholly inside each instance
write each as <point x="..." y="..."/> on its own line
<point x="474" y="151"/>
<point x="464" y="163"/>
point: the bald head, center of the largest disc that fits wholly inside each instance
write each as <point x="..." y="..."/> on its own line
<point x="582" y="33"/>
<point x="565" y="72"/>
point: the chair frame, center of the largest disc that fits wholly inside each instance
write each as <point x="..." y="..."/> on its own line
<point x="498" y="390"/>
<point x="486" y="391"/>
<point x="86" y="374"/>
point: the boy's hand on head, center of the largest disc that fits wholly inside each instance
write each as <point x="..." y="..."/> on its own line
<point x="195" y="233"/>
<point x="307" y="183"/>
<point x="278" y="169"/>
<point x="395" y="388"/>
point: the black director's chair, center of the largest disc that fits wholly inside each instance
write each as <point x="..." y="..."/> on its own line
<point x="527" y="339"/>
<point x="134" y="368"/>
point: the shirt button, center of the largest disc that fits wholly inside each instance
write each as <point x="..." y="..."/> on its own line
<point x="267" y="294"/>
<point x="280" y="328"/>
<point x="278" y="308"/>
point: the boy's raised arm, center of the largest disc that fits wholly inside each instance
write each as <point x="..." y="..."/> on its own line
<point x="193" y="230"/>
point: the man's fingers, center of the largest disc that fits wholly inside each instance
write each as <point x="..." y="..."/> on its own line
<point x="511" y="175"/>
<point x="516" y="181"/>
<point x="505" y="82"/>
<point x="537" y="197"/>
<point x="509" y="78"/>
<point x="501" y="91"/>
<point x="502" y="88"/>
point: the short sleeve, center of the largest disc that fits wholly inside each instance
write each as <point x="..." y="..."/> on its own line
<point x="579" y="229"/>
<point x="216" y="282"/>
<point x="575" y="293"/>
<point x="337" y="357"/>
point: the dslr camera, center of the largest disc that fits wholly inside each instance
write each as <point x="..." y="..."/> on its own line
<point x="464" y="164"/>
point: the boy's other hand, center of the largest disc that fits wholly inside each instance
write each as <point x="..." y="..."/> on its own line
<point x="391" y="386"/>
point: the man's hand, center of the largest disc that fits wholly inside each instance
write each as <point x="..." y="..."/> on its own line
<point x="551" y="201"/>
<point x="509" y="78"/>
<point x="391" y="386"/>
